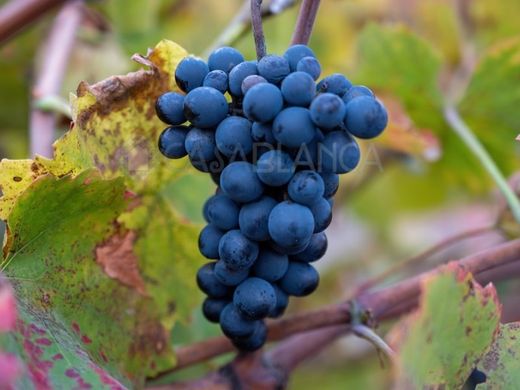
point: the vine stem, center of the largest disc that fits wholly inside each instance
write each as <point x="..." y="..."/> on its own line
<point x="458" y="125"/>
<point x="258" y="29"/>
<point x="304" y="24"/>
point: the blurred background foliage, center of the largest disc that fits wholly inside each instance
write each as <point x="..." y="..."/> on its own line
<point x="416" y="185"/>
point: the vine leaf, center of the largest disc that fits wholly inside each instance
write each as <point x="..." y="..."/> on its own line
<point x="440" y="343"/>
<point x="501" y="363"/>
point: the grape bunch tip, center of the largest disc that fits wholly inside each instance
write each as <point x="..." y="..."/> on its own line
<point x="274" y="140"/>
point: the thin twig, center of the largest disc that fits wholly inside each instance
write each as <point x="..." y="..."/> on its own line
<point x="17" y="14"/>
<point x="258" y="29"/>
<point x="425" y="255"/>
<point x="368" y="334"/>
<point x="56" y="53"/>
<point x="306" y="17"/>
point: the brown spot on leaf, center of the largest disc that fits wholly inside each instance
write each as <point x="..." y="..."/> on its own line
<point x="117" y="258"/>
<point x="17" y="179"/>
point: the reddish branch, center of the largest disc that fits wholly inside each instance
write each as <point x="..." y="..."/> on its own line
<point x="258" y="29"/>
<point x="305" y="22"/>
<point x="499" y="263"/>
<point x="17" y="14"/>
<point x="56" y="55"/>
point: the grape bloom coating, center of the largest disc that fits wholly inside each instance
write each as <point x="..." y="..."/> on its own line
<point x="274" y="140"/>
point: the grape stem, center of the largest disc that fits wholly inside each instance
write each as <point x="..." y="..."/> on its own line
<point x="258" y="29"/>
<point x="304" y="24"/>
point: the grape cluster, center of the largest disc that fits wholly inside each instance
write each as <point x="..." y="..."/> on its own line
<point x="274" y="142"/>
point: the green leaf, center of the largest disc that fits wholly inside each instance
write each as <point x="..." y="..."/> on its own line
<point x="442" y="341"/>
<point x="501" y="364"/>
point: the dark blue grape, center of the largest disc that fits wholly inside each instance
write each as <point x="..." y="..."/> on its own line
<point x="270" y="265"/>
<point x="190" y="73"/>
<point x="250" y="81"/>
<point x="240" y="182"/>
<point x="237" y="251"/>
<point x="253" y="218"/>
<point x="234" y="324"/>
<point x="229" y="277"/>
<point x="254" y="341"/>
<point x="365" y="117"/>
<point x="331" y="182"/>
<point x="311" y="66"/>
<point x="262" y="102"/>
<point x="170" y="108"/>
<point x="209" y="238"/>
<point x="331" y="202"/>
<point x="306" y="156"/>
<point x="327" y="111"/>
<point x="338" y="153"/>
<point x="475" y="378"/>
<point x="289" y="250"/>
<point x="291" y="224"/>
<point x="222" y="212"/>
<point x="200" y="144"/>
<point x="217" y="79"/>
<point x="212" y="308"/>
<point x="238" y="74"/>
<point x="356" y="91"/>
<point x="293" y="127"/>
<point x="298" y="89"/>
<point x="301" y="279"/>
<point x="262" y="133"/>
<point x="306" y="187"/>
<point x="275" y="168"/>
<point x="171" y="141"/>
<point x="322" y="213"/>
<point x="273" y="68"/>
<point x="295" y="53"/>
<point x="233" y="136"/>
<point x="314" y="251"/>
<point x="335" y="83"/>
<point x="209" y="284"/>
<point x="282" y="300"/>
<point x="225" y="59"/>
<point x="205" y="107"/>
<point x="254" y="298"/>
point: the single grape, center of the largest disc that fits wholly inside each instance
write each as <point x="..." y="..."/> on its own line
<point x="306" y="156"/>
<point x="293" y="127"/>
<point x="212" y="308"/>
<point x="298" y="89"/>
<point x="238" y="74"/>
<point x="356" y="91"/>
<point x="217" y="79"/>
<point x="291" y="224"/>
<point x="254" y="298"/>
<point x="365" y="117"/>
<point x="233" y="136"/>
<point x="205" y="107"/>
<point x="282" y="300"/>
<point x="224" y="58"/>
<point x="273" y="68"/>
<point x="270" y="265"/>
<point x="309" y="65"/>
<point x="301" y="279"/>
<point x="254" y="341"/>
<point x="338" y="153"/>
<point x="335" y="83"/>
<point x="275" y="168"/>
<point x="209" y="284"/>
<point x="229" y="277"/>
<point x="295" y="53"/>
<point x="250" y="81"/>
<point x="262" y="133"/>
<point x="222" y="212"/>
<point x="240" y="182"/>
<point x="170" y="108"/>
<point x="253" y="218"/>
<point x="209" y="238"/>
<point x="234" y="324"/>
<point x="331" y="202"/>
<point x="200" y="144"/>
<point x="331" y="182"/>
<point x="262" y="102"/>
<point x="327" y="111"/>
<point x="190" y="73"/>
<point x="171" y="141"/>
<point x="306" y="187"/>
<point x="322" y="213"/>
<point x="237" y="251"/>
<point x="314" y="251"/>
